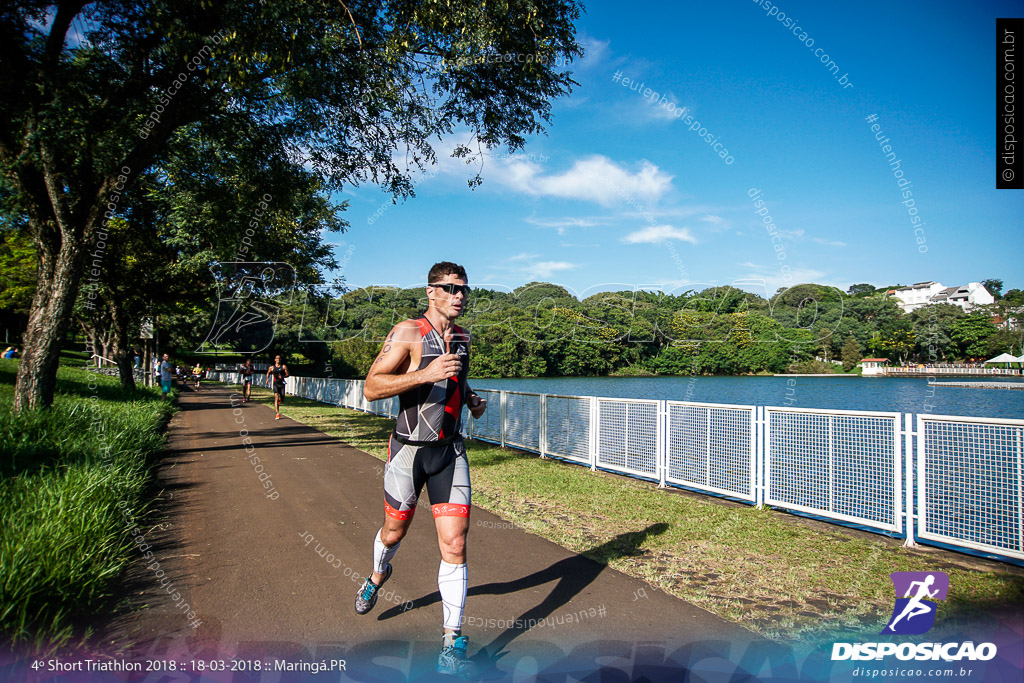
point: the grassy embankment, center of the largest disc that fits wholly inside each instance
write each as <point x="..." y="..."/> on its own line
<point x="63" y="474"/>
<point x="791" y="579"/>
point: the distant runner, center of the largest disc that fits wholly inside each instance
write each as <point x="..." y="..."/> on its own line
<point x="197" y="374"/>
<point x="166" y="374"/>
<point x="246" y="371"/>
<point x="279" y="372"/>
<point x="425" y="362"/>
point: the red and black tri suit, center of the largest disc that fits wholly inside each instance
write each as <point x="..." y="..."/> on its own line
<point x="426" y="446"/>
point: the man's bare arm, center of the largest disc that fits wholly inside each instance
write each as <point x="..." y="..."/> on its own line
<point x="387" y="377"/>
<point x="476" y="404"/>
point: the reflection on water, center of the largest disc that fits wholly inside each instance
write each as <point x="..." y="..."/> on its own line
<point x="901" y="394"/>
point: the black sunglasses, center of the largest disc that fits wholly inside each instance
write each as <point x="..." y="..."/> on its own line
<point x="452" y="289"/>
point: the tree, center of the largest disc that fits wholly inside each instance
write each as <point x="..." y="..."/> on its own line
<point x="970" y="334"/>
<point x="92" y="93"/>
<point x="862" y="289"/>
<point x="994" y="286"/>
<point x="900" y="342"/>
<point x="1014" y="297"/>
<point x="933" y="326"/>
<point x="17" y="271"/>
<point x="852" y="353"/>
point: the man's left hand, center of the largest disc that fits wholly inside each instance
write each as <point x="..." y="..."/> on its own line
<point x="477" y="406"/>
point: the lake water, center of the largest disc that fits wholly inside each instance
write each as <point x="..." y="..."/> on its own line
<point x="900" y="394"/>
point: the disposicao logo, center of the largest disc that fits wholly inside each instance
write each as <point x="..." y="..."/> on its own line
<point x="914" y="614"/>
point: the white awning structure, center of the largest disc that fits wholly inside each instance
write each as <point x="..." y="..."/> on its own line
<point x="1005" y="358"/>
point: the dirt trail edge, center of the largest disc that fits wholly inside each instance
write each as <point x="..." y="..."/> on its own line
<point x="266" y="537"/>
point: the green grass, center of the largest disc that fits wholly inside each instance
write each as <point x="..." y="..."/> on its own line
<point x="75" y="355"/>
<point x="791" y="579"/>
<point x="63" y="473"/>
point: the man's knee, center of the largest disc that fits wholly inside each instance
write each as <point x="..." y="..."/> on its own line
<point x="392" y="533"/>
<point x="454" y="544"/>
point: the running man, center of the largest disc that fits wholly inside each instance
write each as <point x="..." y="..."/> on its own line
<point x="914" y="606"/>
<point x="425" y="363"/>
<point x="246" y="371"/>
<point x="166" y="374"/>
<point x="279" y="371"/>
<point x="197" y="374"/>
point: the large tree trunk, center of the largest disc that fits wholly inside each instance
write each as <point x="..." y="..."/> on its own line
<point x="56" y="289"/>
<point x="125" y="368"/>
<point x="122" y="347"/>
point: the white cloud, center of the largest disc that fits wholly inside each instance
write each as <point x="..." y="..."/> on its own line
<point x="561" y="224"/>
<point x="830" y="243"/>
<point x="543" y="270"/>
<point x="595" y="178"/>
<point x="801" y="235"/>
<point x="656" y="234"/>
<point x="669" y="286"/>
<point x="658" y="107"/>
<point x="601" y="180"/>
<point x="772" y="281"/>
<point x="526" y="266"/>
<point x="714" y="220"/>
<point x="594" y="51"/>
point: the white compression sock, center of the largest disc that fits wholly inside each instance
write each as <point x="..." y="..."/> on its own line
<point x="452" y="580"/>
<point x="382" y="554"/>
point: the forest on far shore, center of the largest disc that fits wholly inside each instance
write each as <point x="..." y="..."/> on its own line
<point x="541" y="329"/>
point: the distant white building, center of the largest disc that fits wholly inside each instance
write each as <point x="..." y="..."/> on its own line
<point x="873" y="366"/>
<point x="966" y="297"/>
<point x="927" y="293"/>
<point x="915" y="296"/>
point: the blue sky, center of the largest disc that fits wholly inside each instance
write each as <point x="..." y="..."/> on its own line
<point x="621" y="193"/>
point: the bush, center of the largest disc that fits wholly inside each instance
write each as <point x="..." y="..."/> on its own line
<point x="813" y="367"/>
<point x="67" y="474"/>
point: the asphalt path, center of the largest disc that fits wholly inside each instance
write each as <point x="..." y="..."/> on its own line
<point x="264" y="530"/>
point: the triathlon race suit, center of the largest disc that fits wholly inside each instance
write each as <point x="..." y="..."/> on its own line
<point x="246" y="374"/>
<point x="278" y="372"/>
<point x="426" y="446"/>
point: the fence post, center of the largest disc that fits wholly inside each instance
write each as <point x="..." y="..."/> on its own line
<point x="593" y="445"/>
<point x="1020" y="488"/>
<point x="543" y="427"/>
<point x="661" y="444"/>
<point x="908" y="456"/>
<point x="502" y="402"/>
<point x="760" y="450"/>
<point x="831" y="464"/>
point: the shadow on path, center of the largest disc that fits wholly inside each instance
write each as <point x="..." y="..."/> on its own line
<point x="573" y="574"/>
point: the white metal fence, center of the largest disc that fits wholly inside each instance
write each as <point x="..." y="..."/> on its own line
<point x="970" y="489"/>
<point x="957" y="481"/>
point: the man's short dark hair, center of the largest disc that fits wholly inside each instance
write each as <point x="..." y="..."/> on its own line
<point x="439" y="270"/>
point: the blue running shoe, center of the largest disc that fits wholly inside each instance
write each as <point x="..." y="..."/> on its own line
<point x="366" y="598"/>
<point x="452" y="660"/>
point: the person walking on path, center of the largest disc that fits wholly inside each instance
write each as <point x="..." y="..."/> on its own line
<point x="279" y="372"/>
<point x="166" y="374"/>
<point x="197" y="374"/>
<point x="425" y="362"/>
<point x="246" y="372"/>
